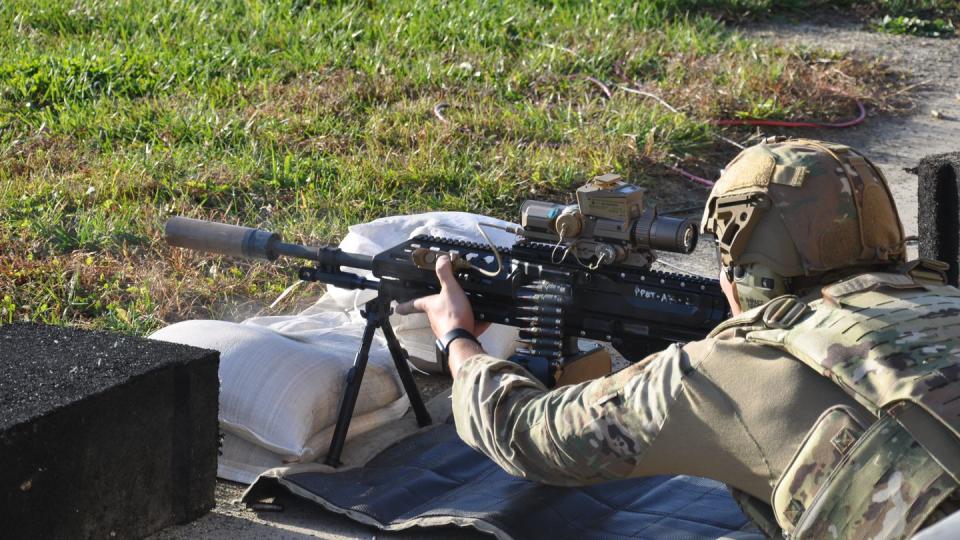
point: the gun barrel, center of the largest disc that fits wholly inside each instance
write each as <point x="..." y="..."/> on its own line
<point x="239" y="241"/>
<point x="328" y="256"/>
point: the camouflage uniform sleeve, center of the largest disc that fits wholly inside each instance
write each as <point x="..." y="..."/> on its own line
<point x="575" y="435"/>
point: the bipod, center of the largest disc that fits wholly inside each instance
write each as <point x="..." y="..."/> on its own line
<point x="377" y="314"/>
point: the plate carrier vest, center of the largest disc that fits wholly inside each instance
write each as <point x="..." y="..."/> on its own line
<point x="892" y="342"/>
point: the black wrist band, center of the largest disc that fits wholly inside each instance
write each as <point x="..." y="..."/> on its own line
<point x="443" y="345"/>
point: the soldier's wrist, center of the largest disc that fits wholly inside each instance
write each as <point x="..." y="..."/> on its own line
<point x="460" y="351"/>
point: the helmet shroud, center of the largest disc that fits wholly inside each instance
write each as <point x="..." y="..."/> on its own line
<point x="788" y="212"/>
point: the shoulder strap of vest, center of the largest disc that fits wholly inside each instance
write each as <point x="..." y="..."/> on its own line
<point x="747" y="319"/>
<point x="784" y="311"/>
<point x="781" y="312"/>
<point x="927" y="271"/>
<point x="867" y="282"/>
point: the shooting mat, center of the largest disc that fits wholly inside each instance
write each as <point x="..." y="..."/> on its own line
<point x="432" y="478"/>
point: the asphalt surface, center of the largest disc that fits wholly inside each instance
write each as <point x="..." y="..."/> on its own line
<point x="46" y="367"/>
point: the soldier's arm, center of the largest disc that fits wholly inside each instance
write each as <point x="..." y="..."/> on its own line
<point x="580" y="434"/>
<point x="574" y="435"/>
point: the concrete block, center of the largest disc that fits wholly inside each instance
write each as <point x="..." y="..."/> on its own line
<point x="103" y="435"/>
<point x="939" y="210"/>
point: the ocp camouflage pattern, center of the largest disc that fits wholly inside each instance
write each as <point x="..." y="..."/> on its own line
<point x="886" y="489"/>
<point x="885" y="339"/>
<point x="575" y="435"/>
<point x="820" y="454"/>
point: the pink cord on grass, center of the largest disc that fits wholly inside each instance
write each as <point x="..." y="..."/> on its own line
<point x="774" y="123"/>
<point x="791" y="124"/>
<point x="861" y="116"/>
<point x="689" y="176"/>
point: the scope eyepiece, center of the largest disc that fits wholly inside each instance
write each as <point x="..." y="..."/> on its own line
<point x="665" y="233"/>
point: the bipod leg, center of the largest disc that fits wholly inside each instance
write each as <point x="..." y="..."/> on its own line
<point x="372" y="312"/>
<point x="403" y="369"/>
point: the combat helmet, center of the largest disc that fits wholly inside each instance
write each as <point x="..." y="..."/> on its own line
<point x="789" y="214"/>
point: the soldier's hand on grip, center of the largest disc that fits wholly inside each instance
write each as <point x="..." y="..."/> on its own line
<point x="447" y="309"/>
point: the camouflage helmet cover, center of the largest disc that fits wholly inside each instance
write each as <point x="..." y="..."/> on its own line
<point x="803" y="207"/>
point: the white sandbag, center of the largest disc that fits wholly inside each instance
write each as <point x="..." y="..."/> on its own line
<point x="282" y="377"/>
<point x="413" y="331"/>
<point x="243" y="461"/>
<point x="281" y="393"/>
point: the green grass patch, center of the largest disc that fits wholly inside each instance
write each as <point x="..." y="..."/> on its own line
<point x="929" y="18"/>
<point x="306" y="117"/>
<point x="916" y="26"/>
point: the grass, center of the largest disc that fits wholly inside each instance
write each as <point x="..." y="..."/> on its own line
<point x="929" y="18"/>
<point x="305" y="117"/>
<point x="916" y="26"/>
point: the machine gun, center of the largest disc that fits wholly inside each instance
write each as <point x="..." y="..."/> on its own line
<point x="576" y="271"/>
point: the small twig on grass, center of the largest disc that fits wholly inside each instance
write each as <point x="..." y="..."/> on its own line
<point x="286" y="292"/>
<point x="730" y="141"/>
<point x="663" y="102"/>
<point x="654" y="97"/>
<point x="603" y="87"/>
<point x="910" y="87"/>
<point x="438" y="112"/>
<point x="698" y="179"/>
<point x="861" y="116"/>
<point x="70" y="294"/>
<point x="552" y="46"/>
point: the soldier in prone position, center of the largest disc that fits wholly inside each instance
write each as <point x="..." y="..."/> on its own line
<point x="830" y="402"/>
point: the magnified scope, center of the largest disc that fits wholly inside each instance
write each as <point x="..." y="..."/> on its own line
<point x="608" y="225"/>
